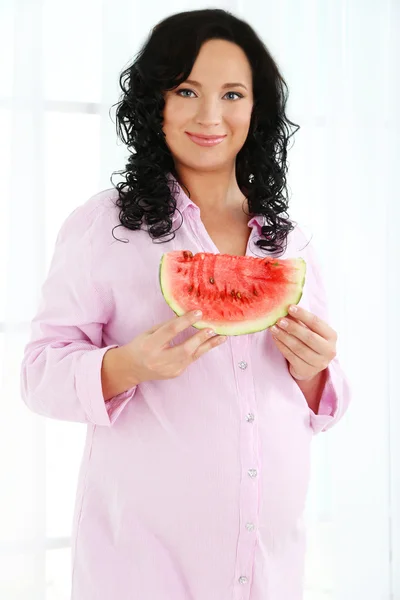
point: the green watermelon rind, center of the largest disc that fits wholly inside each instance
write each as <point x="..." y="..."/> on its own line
<point x="234" y="329"/>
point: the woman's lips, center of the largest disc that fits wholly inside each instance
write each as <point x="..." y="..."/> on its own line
<point x="211" y="140"/>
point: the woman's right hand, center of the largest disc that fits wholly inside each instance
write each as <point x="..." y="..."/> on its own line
<point x="151" y="356"/>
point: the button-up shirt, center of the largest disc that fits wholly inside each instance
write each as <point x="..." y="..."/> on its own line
<point x="191" y="488"/>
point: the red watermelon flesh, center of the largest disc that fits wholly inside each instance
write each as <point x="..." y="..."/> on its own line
<point x="236" y="294"/>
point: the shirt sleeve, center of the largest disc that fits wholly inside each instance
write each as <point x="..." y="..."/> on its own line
<point x="335" y="397"/>
<point x="61" y="367"/>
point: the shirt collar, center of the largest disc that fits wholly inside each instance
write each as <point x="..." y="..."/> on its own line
<point x="257" y="220"/>
<point x="182" y="199"/>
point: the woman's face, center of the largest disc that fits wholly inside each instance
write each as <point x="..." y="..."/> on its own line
<point x="216" y="100"/>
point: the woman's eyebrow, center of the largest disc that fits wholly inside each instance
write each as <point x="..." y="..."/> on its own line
<point x="225" y="86"/>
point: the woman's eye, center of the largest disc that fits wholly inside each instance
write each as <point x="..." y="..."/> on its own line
<point x="184" y="92"/>
<point x="233" y="94"/>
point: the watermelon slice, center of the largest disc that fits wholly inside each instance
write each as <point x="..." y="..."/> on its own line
<point x="237" y="294"/>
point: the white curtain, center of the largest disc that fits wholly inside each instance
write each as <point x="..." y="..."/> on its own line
<point x="59" y="68"/>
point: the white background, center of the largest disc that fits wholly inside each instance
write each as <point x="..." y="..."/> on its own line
<point x="59" y="67"/>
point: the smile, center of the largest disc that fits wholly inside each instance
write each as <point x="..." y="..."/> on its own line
<point x="205" y="140"/>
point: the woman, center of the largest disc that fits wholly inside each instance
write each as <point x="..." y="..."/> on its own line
<point x="196" y="465"/>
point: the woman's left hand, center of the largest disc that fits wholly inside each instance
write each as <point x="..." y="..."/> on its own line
<point x="307" y="343"/>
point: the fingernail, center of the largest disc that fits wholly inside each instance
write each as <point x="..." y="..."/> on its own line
<point x="210" y="332"/>
<point x="293" y="309"/>
<point x="198" y="314"/>
<point x="222" y="338"/>
<point x="283" y="323"/>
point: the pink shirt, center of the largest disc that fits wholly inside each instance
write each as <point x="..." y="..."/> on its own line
<point x="191" y="488"/>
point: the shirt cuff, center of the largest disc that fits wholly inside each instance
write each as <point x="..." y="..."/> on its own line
<point x="90" y="392"/>
<point x="331" y="399"/>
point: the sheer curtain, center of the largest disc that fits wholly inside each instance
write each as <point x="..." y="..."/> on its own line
<point x="59" y="69"/>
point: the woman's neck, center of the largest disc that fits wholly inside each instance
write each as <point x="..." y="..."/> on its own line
<point x="215" y="191"/>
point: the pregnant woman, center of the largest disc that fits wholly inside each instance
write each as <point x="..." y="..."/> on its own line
<point x="196" y="464"/>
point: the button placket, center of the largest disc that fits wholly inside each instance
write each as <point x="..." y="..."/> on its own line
<point x="249" y="491"/>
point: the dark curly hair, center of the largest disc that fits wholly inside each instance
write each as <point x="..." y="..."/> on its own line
<point x="164" y="62"/>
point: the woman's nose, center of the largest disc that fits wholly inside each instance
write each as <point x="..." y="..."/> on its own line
<point x="209" y="113"/>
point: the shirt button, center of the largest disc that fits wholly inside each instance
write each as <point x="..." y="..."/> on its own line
<point x="243" y="579"/>
<point x="243" y="365"/>
<point x="250" y="417"/>
<point x="252" y="472"/>
<point x="250" y="526"/>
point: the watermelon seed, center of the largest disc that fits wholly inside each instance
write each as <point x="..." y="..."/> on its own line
<point x="187" y="254"/>
<point x="233" y="293"/>
<point x="255" y="291"/>
<point x="238" y="295"/>
<point x="212" y="280"/>
<point x="190" y="290"/>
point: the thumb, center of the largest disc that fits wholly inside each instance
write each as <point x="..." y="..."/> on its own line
<point x="297" y="376"/>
